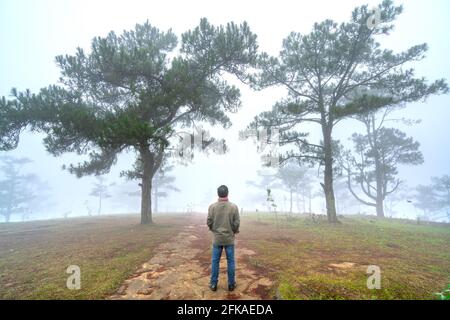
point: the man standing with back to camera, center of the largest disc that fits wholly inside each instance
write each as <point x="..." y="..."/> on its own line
<point x="223" y="221"/>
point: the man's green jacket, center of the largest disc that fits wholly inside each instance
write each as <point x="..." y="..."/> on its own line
<point x="223" y="221"/>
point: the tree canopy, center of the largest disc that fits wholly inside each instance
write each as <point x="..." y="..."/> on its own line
<point x="373" y="164"/>
<point x="131" y="92"/>
<point x="434" y="198"/>
<point x="334" y="73"/>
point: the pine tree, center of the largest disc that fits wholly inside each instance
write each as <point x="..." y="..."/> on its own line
<point x="325" y="73"/>
<point x="130" y="93"/>
<point x="20" y="193"/>
<point x="373" y="166"/>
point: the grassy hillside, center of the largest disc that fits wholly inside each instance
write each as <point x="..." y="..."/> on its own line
<point x="34" y="255"/>
<point x="305" y="260"/>
<point x="321" y="261"/>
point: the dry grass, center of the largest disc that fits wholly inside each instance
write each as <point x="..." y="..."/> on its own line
<point x="322" y="261"/>
<point x="306" y="260"/>
<point x="34" y="256"/>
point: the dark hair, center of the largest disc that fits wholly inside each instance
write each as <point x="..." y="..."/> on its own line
<point x="222" y="191"/>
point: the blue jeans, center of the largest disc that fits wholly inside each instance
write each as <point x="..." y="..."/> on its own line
<point x="215" y="265"/>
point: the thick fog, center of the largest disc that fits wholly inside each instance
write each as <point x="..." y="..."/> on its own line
<point x="32" y="33"/>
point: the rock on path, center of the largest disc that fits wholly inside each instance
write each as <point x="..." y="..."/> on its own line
<point x="175" y="272"/>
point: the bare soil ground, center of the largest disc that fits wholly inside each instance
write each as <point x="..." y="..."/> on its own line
<point x="181" y="270"/>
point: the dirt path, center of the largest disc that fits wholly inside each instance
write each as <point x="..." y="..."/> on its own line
<point x="181" y="270"/>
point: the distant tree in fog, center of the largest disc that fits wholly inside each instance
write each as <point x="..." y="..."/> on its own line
<point x="88" y="208"/>
<point x="100" y="191"/>
<point x="19" y="193"/>
<point x="162" y="184"/>
<point x="270" y="202"/>
<point x="372" y="166"/>
<point x="124" y="195"/>
<point x="296" y="181"/>
<point x="442" y="185"/>
<point x="403" y="195"/>
<point x="262" y="183"/>
<point x="434" y="199"/>
<point x="306" y="193"/>
<point x="345" y="202"/>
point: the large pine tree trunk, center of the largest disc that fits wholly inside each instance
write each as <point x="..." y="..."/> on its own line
<point x="328" y="176"/>
<point x="146" y="200"/>
<point x="380" y="208"/>
<point x="380" y="194"/>
<point x="378" y="171"/>
<point x="146" y="186"/>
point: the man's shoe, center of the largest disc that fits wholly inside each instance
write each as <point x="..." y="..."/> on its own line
<point x="213" y="287"/>
<point x="231" y="287"/>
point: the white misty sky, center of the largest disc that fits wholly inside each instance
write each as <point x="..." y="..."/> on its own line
<point x="33" y="32"/>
